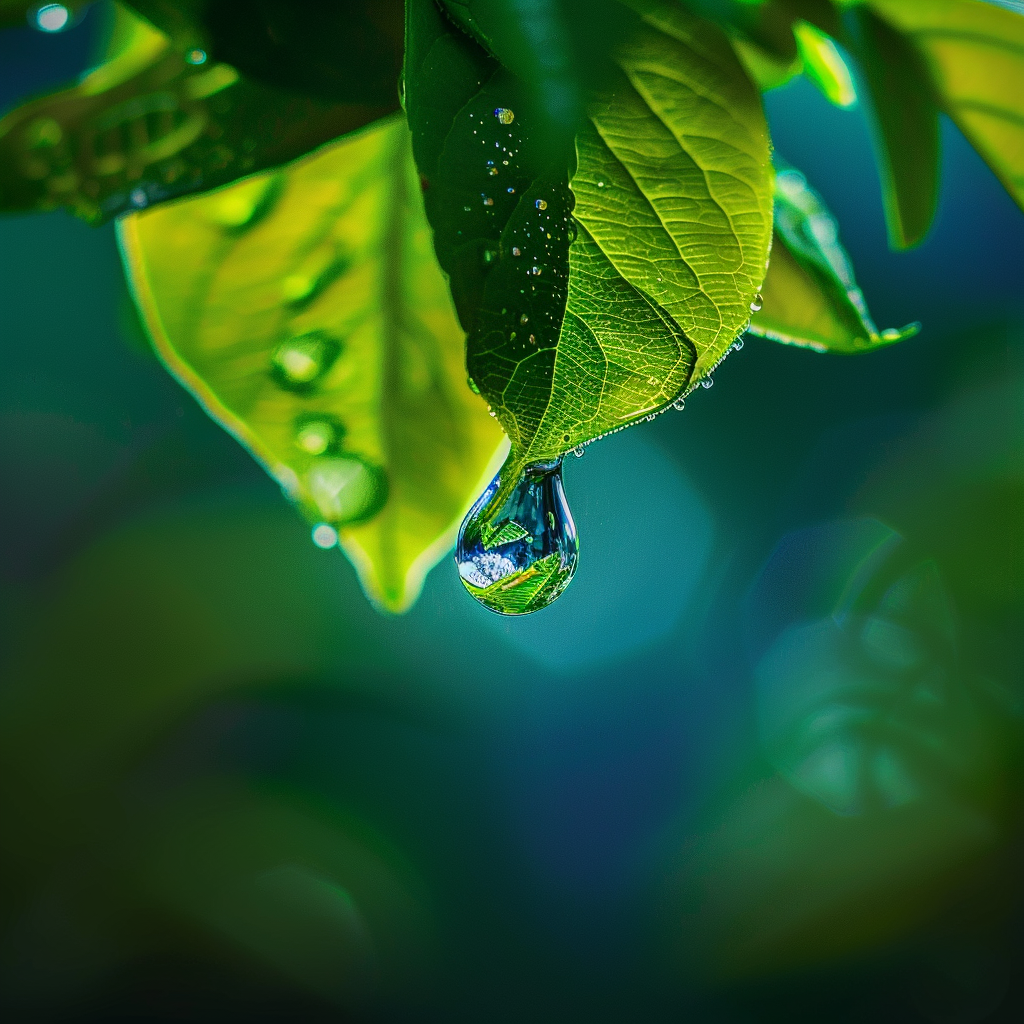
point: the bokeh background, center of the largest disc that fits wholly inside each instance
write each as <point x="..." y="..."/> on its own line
<point x="762" y="762"/>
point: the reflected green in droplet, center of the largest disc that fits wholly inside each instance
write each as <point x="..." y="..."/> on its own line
<point x="298" y="364"/>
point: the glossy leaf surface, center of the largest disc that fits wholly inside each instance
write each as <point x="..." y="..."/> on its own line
<point x="974" y="53"/>
<point x="810" y="295"/>
<point x="149" y="125"/>
<point x="305" y="310"/>
<point x="591" y="308"/>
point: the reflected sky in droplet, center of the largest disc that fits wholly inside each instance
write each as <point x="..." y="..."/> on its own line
<point x="645" y="537"/>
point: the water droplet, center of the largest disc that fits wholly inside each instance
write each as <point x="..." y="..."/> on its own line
<point x="516" y="251"/>
<point x="535" y="271"/>
<point x="316" y="433"/>
<point x="578" y="451"/>
<point x="138" y="197"/>
<point x="299" y="363"/>
<point x="473" y="386"/>
<point x="738" y="344"/>
<point x="346" y="489"/>
<point x="600" y="184"/>
<point x="493" y="171"/>
<point x="755" y="306"/>
<point x="196" y="56"/>
<point x="52" y="18"/>
<point x="518" y="557"/>
<point x="707" y="382"/>
<point x="511" y="191"/>
<point x="325" y="536"/>
<point x="524" y="319"/>
<point x="533" y="339"/>
<point x="488" y="201"/>
<point x="504" y="115"/>
<point x="679" y="404"/>
<point x="541" y="204"/>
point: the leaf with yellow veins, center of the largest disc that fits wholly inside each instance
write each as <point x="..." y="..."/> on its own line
<point x="305" y="310"/>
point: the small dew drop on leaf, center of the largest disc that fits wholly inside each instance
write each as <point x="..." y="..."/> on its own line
<point x="196" y="56"/>
<point x="346" y="489"/>
<point x="504" y="115"/>
<point x="299" y="363"/>
<point x="318" y="434"/>
<point x="755" y="306"/>
<point x="541" y="204"/>
<point x="325" y="536"/>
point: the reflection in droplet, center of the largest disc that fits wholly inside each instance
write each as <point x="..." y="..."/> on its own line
<point x="346" y="489"/>
<point x="755" y="306"/>
<point x="504" y="115"/>
<point x="299" y="363"/>
<point x="517" y="558"/>
<point x="541" y="204"/>
<point x="324" y="536"/>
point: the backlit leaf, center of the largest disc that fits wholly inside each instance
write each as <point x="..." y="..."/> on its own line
<point x="152" y="124"/>
<point x="974" y="53"/>
<point x="589" y="309"/>
<point x="305" y="310"/>
<point x="810" y="295"/>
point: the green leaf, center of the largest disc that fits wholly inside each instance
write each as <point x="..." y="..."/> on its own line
<point x="810" y="297"/>
<point x="583" y="320"/>
<point x="823" y="64"/>
<point x="906" y="117"/>
<point x="339" y="52"/>
<point x="149" y="125"/>
<point x="974" y="54"/>
<point x="305" y="310"/>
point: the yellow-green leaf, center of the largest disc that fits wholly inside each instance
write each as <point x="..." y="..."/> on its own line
<point x="810" y="297"/>
<point x="975" y="55"/>
<point x="823" y="64"/>
<point x="304" y="308"/>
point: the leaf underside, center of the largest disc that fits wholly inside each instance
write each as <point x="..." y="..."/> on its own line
<point x="305" y="311"/>
<point x="810" y="297"/>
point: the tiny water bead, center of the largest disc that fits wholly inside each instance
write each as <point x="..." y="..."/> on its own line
<point x="541" y="204"/>
<point x="300" y="363"/>
<point x="324" y="536"/>
<point x="196" y="56"/>
<point x="707" y="382"/>
<point x="517" y="558"/>
<point x="317" y="434"/>
<point x="51" y="18"/>
<point x="757" y="304"/>
<point x="504" y="115"/>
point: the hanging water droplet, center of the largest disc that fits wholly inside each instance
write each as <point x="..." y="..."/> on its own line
<point x="473" y="386"/>
<point x="707" y="382"/>
<point x="679" y="404"/>
<point x="755" y="306"/>
<point x="316" y="434"/>
<point x="518" y="557"/>
<point x="346" y="489"/>
<point x="504" y="115"/>
<point x="578" y="451"/>
<point x="299" y="363"/>
<point x="738" y="344"/>
<point x="541" y="204"/>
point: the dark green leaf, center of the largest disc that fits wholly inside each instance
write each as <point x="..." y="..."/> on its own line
<point x="305" y="310"/>
<point x="907" y="121"/>
<point x="810" y="295"/>
<point x="336" y="50"/>
<point x="974" y="54"/>
<point x="150" y="125"/>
